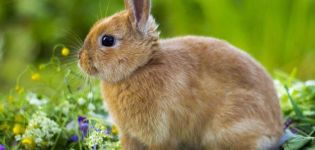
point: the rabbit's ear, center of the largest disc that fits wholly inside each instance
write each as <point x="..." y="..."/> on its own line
<point x="139" y="13"/>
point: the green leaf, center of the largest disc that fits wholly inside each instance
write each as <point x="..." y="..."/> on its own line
<point x="292" y="76"/>
<point x="296" y="108"/>
<point x="296" y="143"/>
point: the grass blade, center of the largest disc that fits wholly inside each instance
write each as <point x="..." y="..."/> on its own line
<point x="295" y="106"/>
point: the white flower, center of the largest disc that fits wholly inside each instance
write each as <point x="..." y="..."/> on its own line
<point x="98" y="138"/>
<point x="81" y="101"/>
<point x="65" y="110"/>
<point x="38" y="140"/>
<point x="91" y="107"/>
<point x="33" y="99"/>
<point x="18" y="137"/>
<point x="296" y="87"/>
<point x="71" y="125"/>
<point x="65" y="107"/>
<point x="280" y="88"/>
<point x="41" y="129"/>
<point x="310" y="83"/>
<point x="90" y="95"/>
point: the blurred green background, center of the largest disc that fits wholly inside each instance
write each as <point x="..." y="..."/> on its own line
<point x="278" y="33"/>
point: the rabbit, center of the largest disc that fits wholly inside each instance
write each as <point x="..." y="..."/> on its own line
<point x="190" y="92"/>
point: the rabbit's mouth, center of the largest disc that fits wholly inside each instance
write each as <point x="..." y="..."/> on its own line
<point x="86" y="64"/>
<point x="87" y="68"/>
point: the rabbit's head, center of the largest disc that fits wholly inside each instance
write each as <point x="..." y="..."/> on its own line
<point x="118" y="45"/>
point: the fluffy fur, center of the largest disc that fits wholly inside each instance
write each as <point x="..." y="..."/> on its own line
<point x="181" y="93"/>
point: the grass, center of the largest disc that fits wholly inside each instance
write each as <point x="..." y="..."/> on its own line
<point x="72" y="115"/>
<point x="277" y="33"/>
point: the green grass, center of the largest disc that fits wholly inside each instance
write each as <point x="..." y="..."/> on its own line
<point x="278" y="33"/>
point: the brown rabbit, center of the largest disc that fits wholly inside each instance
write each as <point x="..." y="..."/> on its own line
<point x="181" y="93"/>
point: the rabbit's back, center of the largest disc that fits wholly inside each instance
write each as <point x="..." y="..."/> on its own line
<point x="226" y="90"/>
<point x="218" y="60"/>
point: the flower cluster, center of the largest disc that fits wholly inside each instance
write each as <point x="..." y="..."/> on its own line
<point x="301" y="93"/>
<point x="40" y="131"/>
<point x="83" y="125"/>
<point x="36" y="100"/>
<point x="98" y="137"/>
<point x="44" y="113"/>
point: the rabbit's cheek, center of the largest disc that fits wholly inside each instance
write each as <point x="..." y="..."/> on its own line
<point x="122" y="60"/>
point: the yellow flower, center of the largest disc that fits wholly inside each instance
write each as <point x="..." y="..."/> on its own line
<point x="18" y="129"/>
<point x="114" y="130"/>
<point x="35" y="76"/>
<point x="28" y="142"/>
<point x="65" y="51"/>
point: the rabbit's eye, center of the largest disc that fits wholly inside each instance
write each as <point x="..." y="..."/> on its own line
<point x="108" y="41"/>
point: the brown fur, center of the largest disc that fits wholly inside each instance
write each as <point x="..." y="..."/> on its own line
<point x="181" y="93"/>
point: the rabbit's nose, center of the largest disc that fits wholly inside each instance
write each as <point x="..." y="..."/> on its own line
<point x="80" y="53"/>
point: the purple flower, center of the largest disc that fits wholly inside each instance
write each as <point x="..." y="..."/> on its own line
<point x="74" y="138"/>
<point x="107" y="131"/>
<point x="83" y="125"/>
<point x="2" y="147"/>
<point x="81" y="119"/>
<point x="84" y="128"/>
<point x="287" y="123"/>
<point x="293" y="130"/>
